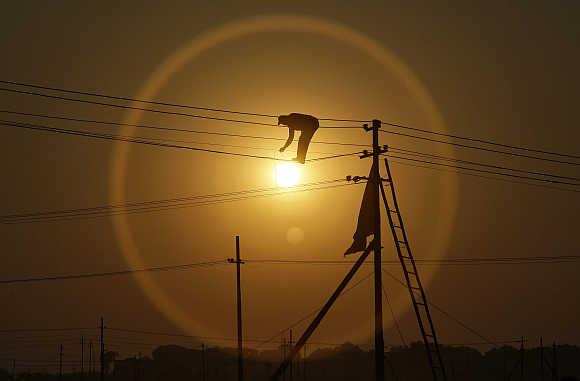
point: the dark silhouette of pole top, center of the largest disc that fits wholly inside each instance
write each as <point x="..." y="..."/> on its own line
<point x="306" y="124"/>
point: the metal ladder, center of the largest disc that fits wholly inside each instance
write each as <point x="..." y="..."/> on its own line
<point x="413" y="281"/>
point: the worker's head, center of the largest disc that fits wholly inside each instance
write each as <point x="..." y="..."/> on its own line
<point x="283" y="119"/>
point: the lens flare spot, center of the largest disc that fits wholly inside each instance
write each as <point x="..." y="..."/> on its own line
<point x="287" y="175"/>
<point x="295" y="235"/>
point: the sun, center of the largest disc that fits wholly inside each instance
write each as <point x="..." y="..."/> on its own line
<point x="287" y="174"/>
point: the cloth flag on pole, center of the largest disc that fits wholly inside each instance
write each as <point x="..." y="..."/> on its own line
<point x="366" y="216"/>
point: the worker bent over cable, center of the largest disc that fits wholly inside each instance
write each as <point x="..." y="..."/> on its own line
<point x="306" y="124"/>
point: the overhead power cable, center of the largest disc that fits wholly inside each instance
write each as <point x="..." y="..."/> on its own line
<point x="159" y="128"/>
<point x="516" y="154"/>
<point x="394" y="149"/>
<point x="187" y="266"/>
<point x="425" y="261"/>
<point x="447" y="314"/>
<point x="434" y="167"/>
<point x="167" y="204"/>
<point x="312" y="313"/>
<point x="490" y="142"/>
<point x="511" y="175"/>
<point x="158" y="103"/>
<point x="265" y="115"/>
<point x="446" y="158"/>
<point x="147" y="142"/>
<point x="151" y="110"/>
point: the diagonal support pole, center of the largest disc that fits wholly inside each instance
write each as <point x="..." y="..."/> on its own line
<point x="314" y="324"/>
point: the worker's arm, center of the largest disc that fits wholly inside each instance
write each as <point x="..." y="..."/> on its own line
<point x="289" y="140"/>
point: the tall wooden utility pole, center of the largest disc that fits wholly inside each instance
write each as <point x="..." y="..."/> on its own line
<point x="81" y="375"/>
<point x="239" y="262"/>
<point x="60" y="363"/>
<point x="90" y="360"/>
<point x="522" y="359"/>
<point x="290" y="343"/>
<point x="379" y="339"/>
<point x="203" y="364"/>
<point x="541" y="359"/>
<point x="102" y="355"/>
<point x="555" y="375"/>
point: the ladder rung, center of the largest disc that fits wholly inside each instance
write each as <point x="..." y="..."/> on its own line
<point x="393" y="211"/>
<point x="406" y="257"/>
<point x="410" y="272"/>
<point x="402" y="242"/>
<point x="397" y="227"/>
<point x="414" y="288"/>
<point x="420" y="303"/>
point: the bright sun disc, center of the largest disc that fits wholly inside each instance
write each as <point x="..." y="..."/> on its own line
<point x="287" y="174"/>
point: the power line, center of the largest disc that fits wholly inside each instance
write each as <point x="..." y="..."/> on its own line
<point x="447" y="314"/>
<point x="189" y="266"/>
<point x="441" y="261"/>
<point x="484" y="171"/>
<point x="100" y="95"/>
<point x="137" y="140"/>
<point x="479" y="148"/>
<point x="312" y="313"/>
<point x="147" y="142"/>
<point x="186" y="266"/>
<point x="161" y="205"/>
<point x="169" y="200"/>
<point x="490" y="142"/>
<point x="59" y="329"/>
<point x="146" y="126"/>
<point x="235" y="112"/>
<point x="446" y="158"/>
<point x="412" y="152"/>
<point x="157" y="111"/>
<point x="502" y="179"/>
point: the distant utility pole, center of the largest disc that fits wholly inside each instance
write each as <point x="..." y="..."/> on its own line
<point x="239" y="262"/>
<point x="522" y="359"/>
<point x="203" y="365"/>
<point x="90" y="359"/>
<point x="541" y="359"/>
<point x="137" y="363"/>
<point x="60" y="363"/>
<point x="304" y="363"/>
<point x="13" y="369"/>
<point x="102" y="355"/>
<point x="291" y="362"/>
<point x="81" y="375"/>
<point x="555" y="376"/>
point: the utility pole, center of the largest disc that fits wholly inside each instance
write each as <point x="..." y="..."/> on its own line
<point x="82" y="358"/>
<point x="541" y="359"/>
<point x="555" y="376"/>
<point x="102" y="355"/>
<point x="379" y="339"/>
<point x="90" y="360"/>
<point x="137" y="363"/>
<point x="522" y="359"/>
<point x="239" y="262"/>
<point x="291" y="362"/>
<point x="304" y="364"/>
<point x="283" y="355"/>
<point x="60" y="363"/>
<point x="203" y="366"/>
<point x="13" y="369"/>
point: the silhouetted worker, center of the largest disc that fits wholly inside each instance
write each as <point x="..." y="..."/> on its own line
<point x="306" y="124"/>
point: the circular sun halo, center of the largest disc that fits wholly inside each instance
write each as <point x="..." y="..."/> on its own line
<point x="287" y="175"/>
